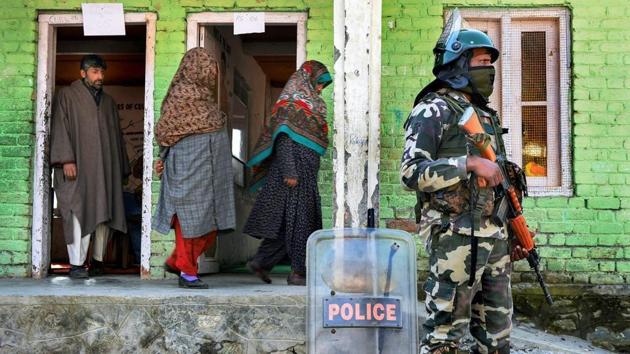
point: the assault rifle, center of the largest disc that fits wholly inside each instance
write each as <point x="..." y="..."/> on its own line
<point x="509" y="207"/>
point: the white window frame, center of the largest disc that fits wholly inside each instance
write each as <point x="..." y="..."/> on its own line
<point x="509" y="100"/>
<point x="46" y="50"/>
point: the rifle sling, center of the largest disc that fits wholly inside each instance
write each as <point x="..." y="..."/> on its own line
<point x="475" y="219"/>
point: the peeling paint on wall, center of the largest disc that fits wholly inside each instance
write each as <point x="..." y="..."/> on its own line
<point x="357" y="106"/>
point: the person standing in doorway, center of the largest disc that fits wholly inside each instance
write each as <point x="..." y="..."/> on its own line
<point x="288" y="209"/>
<point x="470" y="254"/>
<point x="89" y="159"/>
<point x="197" y="191"/>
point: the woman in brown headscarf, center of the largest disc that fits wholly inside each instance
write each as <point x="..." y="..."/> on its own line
<point x="196" y="193"/>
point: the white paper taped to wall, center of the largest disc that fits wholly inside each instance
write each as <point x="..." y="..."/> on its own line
<point x="103" y="20"/>
<point x="249" y="22"/>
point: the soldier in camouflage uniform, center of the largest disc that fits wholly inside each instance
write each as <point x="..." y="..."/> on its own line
<point x="454" y="213"/>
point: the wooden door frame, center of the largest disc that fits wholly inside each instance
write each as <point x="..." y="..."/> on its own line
<point x="196" y="37"/>
<point x="46" y="50"/>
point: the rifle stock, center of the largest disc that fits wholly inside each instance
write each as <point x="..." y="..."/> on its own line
<point x="469" y="123"/>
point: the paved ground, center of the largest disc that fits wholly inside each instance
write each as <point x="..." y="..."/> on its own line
<point x="525" y="339"/>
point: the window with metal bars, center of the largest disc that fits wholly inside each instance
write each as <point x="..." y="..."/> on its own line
<point x="531" y="91"/>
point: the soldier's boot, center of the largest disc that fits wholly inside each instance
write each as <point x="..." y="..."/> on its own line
<point x="503" y="350"/>
<point x="447" y="349"/>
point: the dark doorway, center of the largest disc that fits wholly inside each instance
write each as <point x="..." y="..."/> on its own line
<point x="253" y="71"/>
<point x="124" y="81"/>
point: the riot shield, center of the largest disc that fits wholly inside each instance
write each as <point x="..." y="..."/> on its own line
<point x="361" y="292"/>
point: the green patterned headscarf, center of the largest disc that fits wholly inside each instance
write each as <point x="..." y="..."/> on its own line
<point x="299" y="112"/>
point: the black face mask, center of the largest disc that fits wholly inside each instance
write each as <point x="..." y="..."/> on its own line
<point x="480" y="81"/>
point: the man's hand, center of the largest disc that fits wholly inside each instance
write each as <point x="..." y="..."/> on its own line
<point x="159" y="168"/>
<point x="485" y="169"/>
<point x="518" y="252"/>
<point x="291" y="182"/>
<point x="70" y="171"/>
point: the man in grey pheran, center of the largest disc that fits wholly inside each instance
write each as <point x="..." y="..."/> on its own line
<point x="90" y="161"/>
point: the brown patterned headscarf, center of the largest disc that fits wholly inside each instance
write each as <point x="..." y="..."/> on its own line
<point x="188" y="107"/>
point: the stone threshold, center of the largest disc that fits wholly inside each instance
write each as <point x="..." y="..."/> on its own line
<point x="122" y="314"/>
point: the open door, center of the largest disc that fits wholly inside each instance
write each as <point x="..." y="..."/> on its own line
<point x="253" y="70"/>
<point x="124" y="81"/>
<point x="129" y="79"/>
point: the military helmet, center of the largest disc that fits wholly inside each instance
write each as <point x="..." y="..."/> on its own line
<point x="455" y="41"/>
<point x="466" y="39"/>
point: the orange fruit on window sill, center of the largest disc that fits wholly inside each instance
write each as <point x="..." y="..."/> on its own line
<point x="533" y="169"/>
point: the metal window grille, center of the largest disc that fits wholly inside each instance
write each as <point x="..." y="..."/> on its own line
<point x="531" y="91"/>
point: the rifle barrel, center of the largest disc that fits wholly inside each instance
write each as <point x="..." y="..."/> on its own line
<point x="532" y="259"/>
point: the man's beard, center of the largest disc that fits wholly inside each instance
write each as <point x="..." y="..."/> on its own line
<point x="97" y="85"/>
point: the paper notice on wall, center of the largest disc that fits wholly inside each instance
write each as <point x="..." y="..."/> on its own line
<point x="103" y="20"/>
<point x="249" y="22"/>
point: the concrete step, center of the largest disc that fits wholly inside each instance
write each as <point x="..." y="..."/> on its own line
<point x="121" y="314"/>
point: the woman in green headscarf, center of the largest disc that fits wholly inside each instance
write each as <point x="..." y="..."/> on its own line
<point x="286" y="163"/>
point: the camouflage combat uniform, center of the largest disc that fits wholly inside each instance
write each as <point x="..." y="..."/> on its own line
<point x="434" y="165"/>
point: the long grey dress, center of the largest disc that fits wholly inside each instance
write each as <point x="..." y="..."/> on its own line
<point x="283" y="216"/>
<point x="197" y="185"/>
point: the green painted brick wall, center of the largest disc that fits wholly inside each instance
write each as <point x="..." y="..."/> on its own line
<point x="583" y="239"/>
<point x="17" y="66"/>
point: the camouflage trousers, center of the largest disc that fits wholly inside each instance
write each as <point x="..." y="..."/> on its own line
<point x="452" y="305"/>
